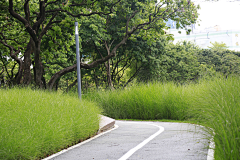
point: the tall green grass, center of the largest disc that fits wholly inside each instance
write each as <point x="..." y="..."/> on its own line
<point x="214" y="103"/>
<point x="34" y="124"/>
<point x="217" y="105"/>
<point x="151" y="101"/>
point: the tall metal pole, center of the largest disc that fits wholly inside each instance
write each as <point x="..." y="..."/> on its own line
<point x="78" y="60"/>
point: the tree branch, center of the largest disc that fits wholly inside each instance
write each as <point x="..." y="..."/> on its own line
<point x="26" y="10"/>
<point x="50" y="3"/>
<point x="44" y="31"/>
<point x="82" y="14"/>
<point x="129" y="20"/>
<point x="6" y="70"/>
<point x="41" y="16"/>
<point x="71" y="85"/>
<point x="133" y="76"/>
<point x="23" y="20"/>
<point x="82" y="4"/>
<point x="15" y="57"/>
<point x="2" y="71"/>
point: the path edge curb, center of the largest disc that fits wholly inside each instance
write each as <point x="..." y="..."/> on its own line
<point x="105" y="123"/>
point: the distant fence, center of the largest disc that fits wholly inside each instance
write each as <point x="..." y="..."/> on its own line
<point x="230" y="37"/>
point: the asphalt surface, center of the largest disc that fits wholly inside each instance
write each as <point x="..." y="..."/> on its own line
<point x="144" y="140"/>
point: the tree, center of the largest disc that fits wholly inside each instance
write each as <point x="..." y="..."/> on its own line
<point x="222" y="61"/>
<point x="146" y="21"/>
<point x="218" y="46"/>
<point x="42" y="21"/>
<point x="11" y="46"/>
<point x="38" y="19"/>
<point x="176" y="62"/>
<point x="148" y="63"/>
<point x="230" y="64"/>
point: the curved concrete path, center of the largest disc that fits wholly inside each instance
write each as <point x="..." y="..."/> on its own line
<point x="143" y="140"/>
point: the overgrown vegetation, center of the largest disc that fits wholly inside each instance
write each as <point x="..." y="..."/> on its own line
<point x="216" y="104"/>
<point x="213" y="103"/>
<point x="35" y="124"/>
<point x="151" y="101"/>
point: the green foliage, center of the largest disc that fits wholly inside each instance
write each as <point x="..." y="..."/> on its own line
<point x="215" y="103"/>
<point x="218" y="46"/>
<point x="226" y="62"/>
<point x="151" y="101"/>
<point x="184" y="62"/>
<point x="96" y="28"/>
<point x="179" y="62"/>
<point x="163" y="61"/>
<point x="149" y="59"/>
<point x="171" y="62"/>
<point x="8" y="69"/>
<point x="31" y="130"/>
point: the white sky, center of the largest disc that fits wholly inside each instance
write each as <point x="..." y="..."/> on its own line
<point x="224" y="13"/>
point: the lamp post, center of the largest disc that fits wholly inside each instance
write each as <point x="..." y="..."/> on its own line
<point x="78" y="60"/>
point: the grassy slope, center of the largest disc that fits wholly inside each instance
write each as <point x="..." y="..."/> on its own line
<point x="214" y="103"/>
<point x="35" y="124"/>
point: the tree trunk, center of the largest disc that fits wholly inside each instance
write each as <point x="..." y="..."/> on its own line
<point x="38" y="66"/>
<point x="27" y="77"/>
<point x="95" y="78"/>
<point x="56" y="84"/>
<point x="71" y="85"/>
<point x="18" y="76"/>
<point x="109" y="77"/>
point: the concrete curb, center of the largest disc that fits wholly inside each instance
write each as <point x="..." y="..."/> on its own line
<point x="105" y="123"/>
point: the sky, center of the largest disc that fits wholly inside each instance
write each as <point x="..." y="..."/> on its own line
<point x="224" y="13"/>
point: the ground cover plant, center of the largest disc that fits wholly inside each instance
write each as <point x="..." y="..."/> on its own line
<point x="35" y="124"/>
<point x="213" y="103"/>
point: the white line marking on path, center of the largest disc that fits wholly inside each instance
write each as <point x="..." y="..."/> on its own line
<point x="133" y="150"/>
<point x="79" y="144"/>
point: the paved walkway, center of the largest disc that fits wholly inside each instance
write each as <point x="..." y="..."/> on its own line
<point x="143" y="140"/>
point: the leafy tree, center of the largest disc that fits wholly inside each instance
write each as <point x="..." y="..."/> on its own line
<point x="146" y="21"/>
<point x="230" y="64"/>
<point x="38" y="17"/>
<point x="218" y="46"/>
<point x="174" y="62"/>
<point x="223" y="61"/>
<point x="11" y="47"/>
<point x="148" y="64"/>
<point x="45" y="25"/>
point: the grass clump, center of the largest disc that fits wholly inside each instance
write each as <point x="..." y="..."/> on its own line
<point x="217" y="105"/>
<point x="151" y="101"/>
<point x="35" y="124"/>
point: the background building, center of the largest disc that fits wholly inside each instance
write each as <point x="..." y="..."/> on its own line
<point x="218" y="23"/>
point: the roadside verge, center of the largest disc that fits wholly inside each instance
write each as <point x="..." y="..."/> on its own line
<point x="106" y="125"/>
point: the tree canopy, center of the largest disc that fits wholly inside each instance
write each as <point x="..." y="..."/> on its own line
<point x="42" y="31"/>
